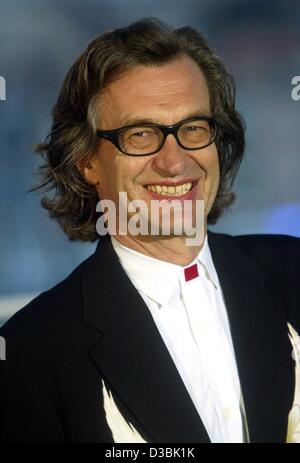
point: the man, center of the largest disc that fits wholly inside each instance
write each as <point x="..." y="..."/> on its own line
<point x="152" y="340"/>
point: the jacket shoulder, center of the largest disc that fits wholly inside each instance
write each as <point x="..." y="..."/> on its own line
<point x="271" y="251"/>
<point x="262" y="246"/>
<point x="278" y="257"/>
<point x="54" y="311"/>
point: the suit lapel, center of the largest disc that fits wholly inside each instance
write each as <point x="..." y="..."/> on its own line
<point x="258" y="324"/>
<point x="132" y="357"/>
<point x="150" y="391"/>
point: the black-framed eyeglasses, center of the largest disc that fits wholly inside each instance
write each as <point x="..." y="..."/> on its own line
<point x="145" y="139"/>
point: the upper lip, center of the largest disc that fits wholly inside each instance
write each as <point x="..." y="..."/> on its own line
<point x="172" y="182"/>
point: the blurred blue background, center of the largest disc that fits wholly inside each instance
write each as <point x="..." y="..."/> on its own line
<point x="259" y="42"/>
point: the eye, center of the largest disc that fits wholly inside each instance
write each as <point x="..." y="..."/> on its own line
<point x="195" y="129"/>
<point x="141" y="133"/>
<point x="192" y="128"/>
<point x="140" y="137"/>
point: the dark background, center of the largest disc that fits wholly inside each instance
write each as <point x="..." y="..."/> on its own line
<point x="40" y="39"/>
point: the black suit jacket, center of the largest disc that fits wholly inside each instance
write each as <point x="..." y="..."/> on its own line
<point x="94" y="325"/>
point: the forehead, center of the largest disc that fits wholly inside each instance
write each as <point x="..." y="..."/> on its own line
<point x="162" y="94"/>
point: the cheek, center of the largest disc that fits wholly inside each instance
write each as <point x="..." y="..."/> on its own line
<point x="213" y="167"/>
<point x="106" y="173"/>
<point x="214" y="175"/>
<point x="210" y="164"/>
<point x="131" y="171"/>
<point x="216" y="170"/>
<point x="208" y="161"/>
<point x="117" y="174"/>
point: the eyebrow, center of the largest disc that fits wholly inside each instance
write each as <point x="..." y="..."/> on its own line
<point x="149" y="120"/>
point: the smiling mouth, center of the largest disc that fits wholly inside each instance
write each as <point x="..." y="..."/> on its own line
<point x="166" y="190"/>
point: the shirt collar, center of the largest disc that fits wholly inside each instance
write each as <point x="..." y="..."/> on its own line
<point x="157" y="279"/>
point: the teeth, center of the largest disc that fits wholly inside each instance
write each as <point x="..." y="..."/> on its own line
<point x="179" y="190"/>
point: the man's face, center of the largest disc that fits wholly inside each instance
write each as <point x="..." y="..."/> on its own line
<point x="164" y="95"/>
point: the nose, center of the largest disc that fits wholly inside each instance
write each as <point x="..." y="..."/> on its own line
<point x="171" y="159"/>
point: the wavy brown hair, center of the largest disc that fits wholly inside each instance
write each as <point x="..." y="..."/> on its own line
<point x="73" y="137"/>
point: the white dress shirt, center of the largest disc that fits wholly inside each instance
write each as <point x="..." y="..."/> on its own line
<point x="192" y="320"/>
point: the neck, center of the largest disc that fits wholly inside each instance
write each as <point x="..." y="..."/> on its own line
<point x="171" y="249"/>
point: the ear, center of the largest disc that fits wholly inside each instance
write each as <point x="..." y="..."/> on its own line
<point x="88" y="169"/>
